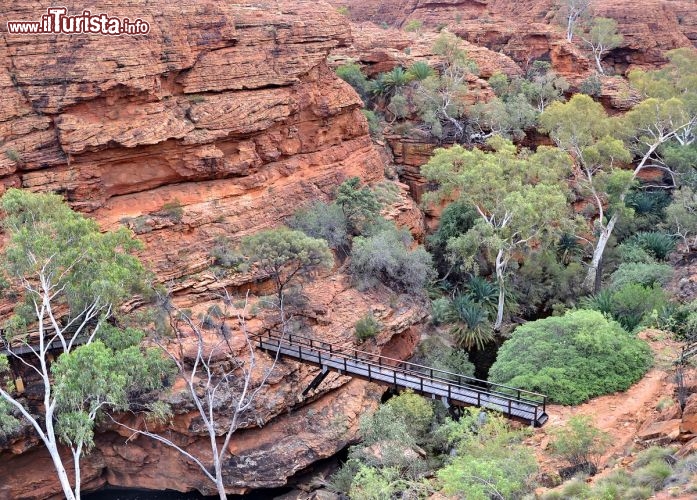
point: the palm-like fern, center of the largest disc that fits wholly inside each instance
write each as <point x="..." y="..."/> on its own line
<point x="473" y="329"/>
<point x="419" y="71"/>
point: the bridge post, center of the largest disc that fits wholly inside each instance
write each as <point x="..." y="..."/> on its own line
<point x="509" y="406"/>
<point x="370" y="377"/>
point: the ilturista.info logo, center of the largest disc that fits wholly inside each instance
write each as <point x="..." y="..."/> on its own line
<point x="58" y="21"/>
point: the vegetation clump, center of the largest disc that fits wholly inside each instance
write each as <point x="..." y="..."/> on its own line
<point x="571" y="358"/>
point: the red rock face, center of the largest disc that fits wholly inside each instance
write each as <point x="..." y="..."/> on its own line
<point x="228" y="108"/>
<point x="527" y="29"/>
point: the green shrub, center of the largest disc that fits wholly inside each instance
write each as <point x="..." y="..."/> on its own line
<point x="399" y="106"/>
<point x="591" y="86"/>
<point x="340" y="481"/>
<point x="489" y="458"/>
<point x="371" y="483"/>
<point x="633" y="303"/>
<point x="414" y="25"/>
<point x="613" y="486"/>
<point x="325" y="221"/>
<point x="643" y="274"/>
<point x="680" y="319"/>
<point x="601" y="301"/>
<point x="374" y="123"/>
<point x="433" y="352"/>
<point x="420" y="71"/>
<point x="360" y="205"/>
<point x="394" y="435"/>
<point x="386" y="258"/>
<point x="657" y="244"/>
<point x="653" y="454"/>
<point x="576" y="489"/>
<point x="352" y="74"/>
<point x="415" y="411"/>
<point x="366" y="328"/>
<point x="579" y="442"/>
<point x="173" y="210"/>
<point x="441" y="311"/>
<point x="633" y="253"/>
<point x="571" y="358"/>
<point x="653" y="475"/>
<point x="637" y="493"/>
<point x="224" y="254"/>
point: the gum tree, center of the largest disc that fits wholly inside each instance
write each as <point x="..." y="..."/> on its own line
<point x="520" y="200"/>
<point x="597" y="155"/>
<point x="69" y="279"/>
<point x="601" y="38"/>
<point x="222" y="383"/>
<point x="573" y="11"/>
<point x="666" y="117"/>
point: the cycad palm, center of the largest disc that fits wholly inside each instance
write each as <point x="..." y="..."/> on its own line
<point x="473" y="329"/>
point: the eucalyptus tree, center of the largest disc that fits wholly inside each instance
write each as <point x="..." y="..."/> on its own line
<point x="601" y="38"/>
<point x="222" y="381"/>
<point x="441" y="99"/>
<point x="69" y="280"/>
<point x="520" y="199"/>
<point x="573" y="12"/>
<point x="666" y="117"/>
<point x="597" y="155"/>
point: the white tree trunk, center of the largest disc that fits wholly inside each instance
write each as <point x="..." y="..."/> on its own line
<point x="598" y="252"/>
<point x="570" y="28"/>
<point x="500" y="267"/>
<point x="597" y="55"/>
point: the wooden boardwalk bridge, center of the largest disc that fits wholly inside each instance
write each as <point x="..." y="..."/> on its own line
<point x="451" y="388"/>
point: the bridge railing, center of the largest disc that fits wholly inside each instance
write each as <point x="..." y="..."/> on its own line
<point x="372" y="360"/>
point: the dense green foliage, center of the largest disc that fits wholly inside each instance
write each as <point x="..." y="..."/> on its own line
<point x="491" y="461"/>
<point x="366" y="328"/>
<point x="520" y="198"/>
<point x="285" y="255"/>
<point x="479" y="456"/>
<point x="571" y="358"/>
<point x="386" y="258"/>
<point x="58" y="260"/>
<point x="579" y="442"/>
<point x="360" y="205"/>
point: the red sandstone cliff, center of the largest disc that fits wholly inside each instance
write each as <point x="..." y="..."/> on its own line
<point x="527" y="30"/>
<point x="228" y="108"/>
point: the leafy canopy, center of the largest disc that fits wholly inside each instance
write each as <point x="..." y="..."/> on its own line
<point x="89" y="266"/>
<point x="286" y="254"/>
<point x="571" y="358"/>
<point x="58" y="260"/>
<point x="491" y="461"/>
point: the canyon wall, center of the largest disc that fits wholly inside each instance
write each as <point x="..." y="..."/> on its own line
<point x="530" y="29"/>
<point x="227" y="111"/>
